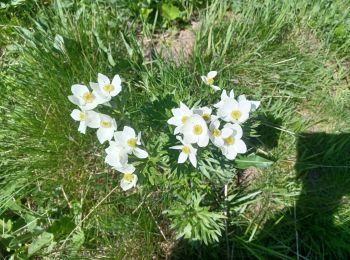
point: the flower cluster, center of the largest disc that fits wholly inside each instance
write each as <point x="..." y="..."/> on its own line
<point x="195" y="127"/>
<point x="121" y="143"/>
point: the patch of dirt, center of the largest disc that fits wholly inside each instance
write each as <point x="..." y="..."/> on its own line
<point x="247" y="176"/>
<point x="176" y="47"/>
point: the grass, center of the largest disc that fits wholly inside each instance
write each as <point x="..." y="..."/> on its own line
<point x="292" y="55"/>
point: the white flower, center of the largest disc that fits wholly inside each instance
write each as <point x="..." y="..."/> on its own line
<point x="85" y="99"/>
<point x="196" y="131"/>
<point x="209" y="80"/>
<point x="187" y="152"/>
<point x="233" y="144"/>
<point x="128" y="140"/>
<point x="116" y="156"/>
<point x="204" y="112"/>
<point x="224" y="98"/>
<point x="86" y="119"/>
<point x="129" y="179"/>
<point x="254" y="104"/>
<point x="105" y="87"/>
<point x="106" y="129"/>
<point x="216" y="135"/>
<point x="181" y="116"/>
<point x="235" y="112"/>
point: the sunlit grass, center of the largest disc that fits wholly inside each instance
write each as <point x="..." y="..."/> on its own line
<point x="51" y="173"/>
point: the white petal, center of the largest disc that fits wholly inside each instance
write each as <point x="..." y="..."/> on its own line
<point x="232" y="95"/>
<point x="231" y="153"/>
<point x="193" y="159"/>
<point x="203" y="140"/>
<point x="219" y="142"/>
<point x="178" y="129"/>
<point x="95" y="86"/>
<point x="92" y="119"/>
<point x="129" y="132"/>
<point x="240" y="146"/>
<point x="125" y="185"/>
<point x="76" y="114"/>
<point x="127" y="168"/>
<point x="224" y="95"/>
<point x="243" y="118"/>
<point x="237" y="130"/>
<point x="104" y="134"/>
<point x="190" y="138"/>
<point x="204" y="79"/>
<point x="244" y="106"/>
<point x="182" y="157"/>
<point x="79" y="90"/>
<point x="216" y="88"/>
<point x="226" y="132"/>
<point x="254" y="105"/>
<point x="212" y="74"/>
<point x="178" y="147"/>
<point x="74" y="100"/>
<point x="139" y="153"/>
<point x="116" y="82"/>
<point x="82" y="127"/>
<point x="176" y="121"/>
<point x="102" y="80"/>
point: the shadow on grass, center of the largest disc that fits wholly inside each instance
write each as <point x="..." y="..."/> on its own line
<point x="315" y="228"/>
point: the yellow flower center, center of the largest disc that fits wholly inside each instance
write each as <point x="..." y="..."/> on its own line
<point x="186" y="149"/>
<point x="184" y="119"/>
<point x="197" y="129"/>
<point x="236" y="114"/>
<point x="206" y="117"/>
<point x="132" y="142"/>
<point x="108" y="88"/>
<point x="216" y="132"/>
<point x="82" y="116"/>
<point x="106" y="124"/>
<point x="128" y="177"/>
<point x="210" y="81"/>
<point x="229" y="140"/>
<point x="88" y="97"/>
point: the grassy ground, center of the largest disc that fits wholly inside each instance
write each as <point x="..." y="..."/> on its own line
<point x="292" y="55"/>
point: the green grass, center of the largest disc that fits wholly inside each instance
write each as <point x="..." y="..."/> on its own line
<point x="292" y="55"/>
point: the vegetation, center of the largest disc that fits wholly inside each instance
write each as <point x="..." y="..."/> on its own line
<point x="58" y="199"/>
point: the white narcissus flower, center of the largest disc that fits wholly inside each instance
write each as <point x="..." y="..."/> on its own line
<point x="254" y="105"/>
<point x="129" y="179"/>
<point x="86" y="118"/>
<point x="116" y="156"/>
<point x="180" y="118"/>
<point x="106" y="129"/>
<point x="233" y="144"/>
<point x="209" y="80"/>
<point x="129" y="141"/>
<point x="105" y="87"/>
<point x="216" y="135"/>
<point x="196" y="131"/>
<point x="224" y="98"/>
<point x="234" y="111"/>
<point x="204" y="112"/>
<point x="85" y="99"/>
<point x="187" y="152"/>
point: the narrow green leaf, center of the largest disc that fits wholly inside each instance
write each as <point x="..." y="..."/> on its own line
<point x="244" y="162"/>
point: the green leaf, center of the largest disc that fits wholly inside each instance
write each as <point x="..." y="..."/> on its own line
<point x="145" y="12"/>
<point x="244" y="162"/>
<point x="77" y="241"/>
<point x="44" y="240"/>
<point x="170" y="12"/>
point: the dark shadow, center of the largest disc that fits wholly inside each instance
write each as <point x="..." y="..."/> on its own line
<point x="311" y="229"/>
<point x="268" y="131"/>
